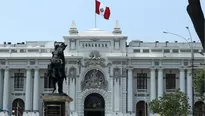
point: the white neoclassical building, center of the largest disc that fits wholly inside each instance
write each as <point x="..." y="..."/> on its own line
<point x="106" y="76"/>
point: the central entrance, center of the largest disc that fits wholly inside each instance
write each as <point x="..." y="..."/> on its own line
<point x="94" y="105"/>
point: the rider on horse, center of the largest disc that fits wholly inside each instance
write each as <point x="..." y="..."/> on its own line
<point x="56" y="69"/>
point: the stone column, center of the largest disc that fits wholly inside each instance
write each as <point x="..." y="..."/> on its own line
<point x="111" y="90"/>
<point x="160" y="82"/>
<point x="182" y="80"/>
<point x="36" y="91"/>
<point x="117" y="94"/>
<point x="189" y="88"/>
<point x="1" y="89"/>
<point x="28" y="96"/>
<point x="130" y="91"/>
<point x="6" y="89"/>
<point x="152" y="86"/>
<point x="72" y="94"/>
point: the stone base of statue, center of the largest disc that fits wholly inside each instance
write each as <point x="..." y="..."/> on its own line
<point x="4" y="113"/>
<point x="55" y="104"/>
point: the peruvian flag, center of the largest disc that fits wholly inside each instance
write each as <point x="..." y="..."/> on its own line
<point x="102" y="9"/>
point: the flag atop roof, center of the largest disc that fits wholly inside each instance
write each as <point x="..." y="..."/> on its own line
<point x="101" y="9"/>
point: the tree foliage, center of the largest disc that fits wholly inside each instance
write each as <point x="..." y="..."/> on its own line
<point x="199" y="85"/>
<point x="199" y="82"/>
<point x="171" y="104"/>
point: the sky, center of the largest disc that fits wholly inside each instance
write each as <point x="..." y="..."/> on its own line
<point x="49" y="20"/>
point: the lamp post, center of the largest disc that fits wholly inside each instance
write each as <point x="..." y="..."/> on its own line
<point x="192" y="59"/>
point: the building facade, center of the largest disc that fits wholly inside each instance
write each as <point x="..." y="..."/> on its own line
<point x="106" y="76"/>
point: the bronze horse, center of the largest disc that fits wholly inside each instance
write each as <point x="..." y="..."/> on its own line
<point x="56" y="68"/>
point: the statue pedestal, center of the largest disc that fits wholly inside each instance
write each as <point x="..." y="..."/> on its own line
<point x="4" y="113"/>
<point x="55" y="104"/>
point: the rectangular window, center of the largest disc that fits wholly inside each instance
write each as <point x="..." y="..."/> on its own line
<point x="43" y="50"/>
<point x="47" y="82"/>
<point x="22" y="50"/>
<point x="166" y="50"/>
<point x="170" y="81"/>
<point x="136" y="50"/>
<point x="185" y="50"/>
<point x="18" y="81"/>
<point x="51" y="50"/>
<point x="4" y="50"/>
<point x="157" y="50"/>
<point x="33" y="50"/>
<point x="141" y="81"/>
<point x="13" y="50"/>
<point x="156" y="63"/>
<point x="186" y="63"/>
<point x="195" y="50"/>
<point x="175" y="51"/>
<point x="145" y="50"/>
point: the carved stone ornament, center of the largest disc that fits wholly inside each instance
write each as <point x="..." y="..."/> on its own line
<point x="72" y="72"/>
<point x="94" y="79"/>
<point x="124" y="72"/>
<point x="116" y="73"/>
<point x="94" y="59"/>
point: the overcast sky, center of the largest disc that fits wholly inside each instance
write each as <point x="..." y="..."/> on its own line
<point x="49" y="20"/>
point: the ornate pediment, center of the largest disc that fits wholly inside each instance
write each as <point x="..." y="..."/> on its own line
<point x="94" y="79"/>
<point x="95" y="59"/>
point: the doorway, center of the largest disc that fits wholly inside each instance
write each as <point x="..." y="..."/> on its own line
<point x="18" y="107"/>
<point x="94" y="105"/>
<point x="141" y="108"/>
<point x="199" y="107"/>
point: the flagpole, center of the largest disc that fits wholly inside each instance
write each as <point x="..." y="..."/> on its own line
<point x="95" y="13"/>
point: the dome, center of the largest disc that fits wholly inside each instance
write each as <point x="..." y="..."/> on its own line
<point x="94" y="30"/>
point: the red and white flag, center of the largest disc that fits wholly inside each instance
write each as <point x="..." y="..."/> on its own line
<point x="101" y="9"/>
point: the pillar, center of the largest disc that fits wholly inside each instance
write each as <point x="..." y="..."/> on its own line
<point x="117" y="94"/>
<point x="182" y="80"/>
<point x="160" y="82"/>
<point x="36" y="90"/>
<point x="189" y="88"/>
<point x="130" y="91"/>
<point x="28" y="96"/>
<point x="6" y="90"/>
<point x="72" y="94"/>
<point x="1" y="89"/>
<point x="153" y="85"/>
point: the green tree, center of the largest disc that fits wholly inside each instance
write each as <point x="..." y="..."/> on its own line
<point x="199" y="82"/>
<point x="171" y="104"/>
<point x="199" y="85"/>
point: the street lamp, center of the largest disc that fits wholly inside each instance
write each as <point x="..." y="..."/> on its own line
<point x="192" y="58"/>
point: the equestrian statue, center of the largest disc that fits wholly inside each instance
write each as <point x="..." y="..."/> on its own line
<point x="56" y="67"/>
<point x="197" y="17"/>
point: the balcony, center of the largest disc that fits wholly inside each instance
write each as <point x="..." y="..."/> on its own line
<point x="18" y="89"/>
<point x="170" y="90"/>
<point x="141" y="92"/>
